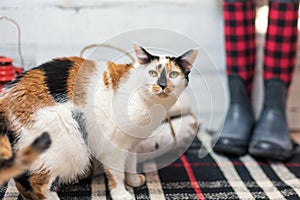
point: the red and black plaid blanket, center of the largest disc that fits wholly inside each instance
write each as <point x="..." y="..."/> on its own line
<point x="193" y="176"/>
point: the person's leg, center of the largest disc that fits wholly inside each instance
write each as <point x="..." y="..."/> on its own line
<point x="271" y="136"/>
<point x="239" y="18"/>
<point x="239" y="29"/>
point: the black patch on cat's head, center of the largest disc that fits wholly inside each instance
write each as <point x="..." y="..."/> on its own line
<point x="187" y="59"/>
<point x="179" y="63"/>
<point x="185" y="62"/>
<point x="143" y="57"/>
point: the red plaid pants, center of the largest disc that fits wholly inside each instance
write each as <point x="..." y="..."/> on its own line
<point x="280" y="45"/>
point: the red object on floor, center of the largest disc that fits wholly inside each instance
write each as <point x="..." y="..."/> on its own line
<point x="8" y="71"/>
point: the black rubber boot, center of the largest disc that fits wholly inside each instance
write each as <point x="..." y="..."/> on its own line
<point x="239" y="121"/>
<point x="270" y="137"/>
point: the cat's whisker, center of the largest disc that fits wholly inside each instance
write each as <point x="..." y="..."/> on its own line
<point x="175" y="93"/>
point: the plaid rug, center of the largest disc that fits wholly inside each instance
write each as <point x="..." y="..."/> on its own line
<point x="191" y="177"/>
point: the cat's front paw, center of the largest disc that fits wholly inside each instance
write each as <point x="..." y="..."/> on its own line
<point x="120" y="194"/>
<point x="135" y="180"/>
<point x="52" y="196"/>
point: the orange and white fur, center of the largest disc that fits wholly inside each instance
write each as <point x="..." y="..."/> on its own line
<point x="89" y="113"/>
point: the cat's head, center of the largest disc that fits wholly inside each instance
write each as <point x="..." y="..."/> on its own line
<point x="166" y="76"/>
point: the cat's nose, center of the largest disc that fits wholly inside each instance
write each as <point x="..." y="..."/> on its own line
<point x="162" y="81"/>
<point x="163" y="86"/>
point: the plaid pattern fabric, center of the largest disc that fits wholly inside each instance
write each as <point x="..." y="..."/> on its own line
<point x="281" y="41"/>
<point x="191" y="177"/>
<point x="239" y="18"/>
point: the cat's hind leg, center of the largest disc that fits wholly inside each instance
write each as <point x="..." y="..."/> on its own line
<point x="23" y="159"/>
<point x="114" y="166"/>
<point x="36" y="186"/>
<point x="116" y="180"/>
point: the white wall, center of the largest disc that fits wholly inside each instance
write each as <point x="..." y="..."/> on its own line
<point x="62" y="27"/>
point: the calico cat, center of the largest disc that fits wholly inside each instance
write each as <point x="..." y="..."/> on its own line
<point x="86" y="113"/>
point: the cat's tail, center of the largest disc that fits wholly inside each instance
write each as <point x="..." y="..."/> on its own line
<point x="19" y="162"/>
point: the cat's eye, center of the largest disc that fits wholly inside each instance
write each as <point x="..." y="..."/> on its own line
<point x="173" y="74"/>
<point x="153" y="73"/>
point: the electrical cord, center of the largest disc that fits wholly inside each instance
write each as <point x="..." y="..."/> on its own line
<point x="19" y="37"/>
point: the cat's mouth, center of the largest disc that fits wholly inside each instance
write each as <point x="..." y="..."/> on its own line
<point x="162" y="95"/>
<point x="161" y="92"/>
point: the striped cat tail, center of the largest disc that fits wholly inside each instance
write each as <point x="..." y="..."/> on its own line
<point x="18" y="163"/>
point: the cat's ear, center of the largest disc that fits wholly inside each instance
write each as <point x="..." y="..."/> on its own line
<point x="187" y="59"/>
<point x="143" y="57"/>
